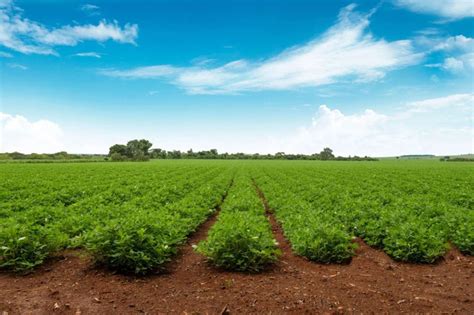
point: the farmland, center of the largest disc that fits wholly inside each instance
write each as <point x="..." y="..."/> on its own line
<point x="236" y="219"/>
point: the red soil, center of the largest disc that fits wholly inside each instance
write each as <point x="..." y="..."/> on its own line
<point x="371" y="283"/>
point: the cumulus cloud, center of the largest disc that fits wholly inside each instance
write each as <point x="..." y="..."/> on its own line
<point x="457" y="52"/>
<point x="347" y="51"/>
<point x="448" y="9"/>
<point x="460" y="64"/>
<point x="453" y="65"/>
<point x="459" y="42"/>
<point x="421" y="127"/>
<point x="30" y="37"/>
<point x="17" y="133"/>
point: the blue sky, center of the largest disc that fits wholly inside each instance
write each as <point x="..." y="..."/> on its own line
<point x="369" y="78"/>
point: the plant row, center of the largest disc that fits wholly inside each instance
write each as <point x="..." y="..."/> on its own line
<point x="29" y="236"/>
<point x="316" y="235"/>
<point x="407" y="214"/>
<point x="241" y="239"/>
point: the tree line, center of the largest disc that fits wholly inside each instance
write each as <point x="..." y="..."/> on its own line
<point x="140" y="150"/>
<point x="58" y="156"/>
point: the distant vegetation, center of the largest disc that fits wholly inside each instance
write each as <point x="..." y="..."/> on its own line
<point x="456" y="159"/>
<point x="139" y="150"/>
<point x="416" y="156"/>
<point x="135" y="150"/>
<point x="62" y="156"/>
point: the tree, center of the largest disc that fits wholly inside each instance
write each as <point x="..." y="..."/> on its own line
<point x="118" y="157"/>
<point x="280" y="155"/>
<point x="118" y="149"/>
<point x="138" y="148"/>
<point x="326" y="154"/>
<point x="158" y="153"/>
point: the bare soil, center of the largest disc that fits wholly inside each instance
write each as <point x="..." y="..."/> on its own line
<point x="371" y="283"/>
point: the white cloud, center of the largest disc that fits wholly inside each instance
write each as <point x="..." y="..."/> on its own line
<point x="457" y="51"/>
<point x="90" y="9"/>
<point x="5" y="3"/>
<point x="17" y="66"/>
<point x="452" y="64"/>
<point x="89" y="54"/>
<point x="465" y="101"/>
<point x="449" y="9"/>
<point x="142" y="72"/>
<point x="19" y="134"/>
<point x="459" y="42"/>
<point x="30" y="37"/>
<point x="461" y="64"/>
<point x="433" y="126"/>
<point x="346" y="52"/>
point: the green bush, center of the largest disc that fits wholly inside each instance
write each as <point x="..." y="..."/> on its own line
<point x="240" y="241"/>
<point x="137" y="244"/>
<point x="412" y="241"/>
<point x="320" y="240"/>
<point x="25" y="246"/>
<point x="462" y="233"/>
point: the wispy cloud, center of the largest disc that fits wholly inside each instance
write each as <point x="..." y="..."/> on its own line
<point x="30" y="37"/>
<point x="447" y="9"/>
<point x="150" y="72"/>
<point x="17" y="66"/>
<point x="6" y="3"/>
<point x="5" y="54"/>
<point x="465" y="101"/>
<point x="89" y="54"/>
<point x="345" y="52"/>
<point x="90" y="9"/>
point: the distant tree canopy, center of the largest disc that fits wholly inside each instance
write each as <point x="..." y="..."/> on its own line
<point x="58" y="156"/>
<point x="140" y="150"/>
<point x="135" y="150"/>
<point x="325" y="154"/>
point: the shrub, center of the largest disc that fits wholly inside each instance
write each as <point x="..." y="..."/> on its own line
<point x="462" y="233"/>
<point x="322" y="242"/>
<point x="412" y="241"/>
<point x="25" y="246"/>
<point x="136" y="244"/>
<point x="240" y="241"/>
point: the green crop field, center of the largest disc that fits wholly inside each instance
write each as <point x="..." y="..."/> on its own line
<point x="133" y="217"/>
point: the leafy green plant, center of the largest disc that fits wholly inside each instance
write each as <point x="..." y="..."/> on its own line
<point x="323" y="242"/>
<point x="138" y="243"/>
<point x="413" y="241"/>
<point x="239" y="241"/>
<point x="25" y="246"/>
<point x="462" y="232"/>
